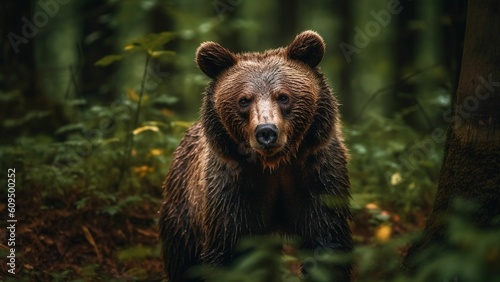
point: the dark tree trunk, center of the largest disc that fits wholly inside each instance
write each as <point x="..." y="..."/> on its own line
<point x="288" y="19"/>
<point x="347" y="99"/>
<point x="17" y="61"/>
<point x="19" y="77"/>
<point x="97" y="81"/>
<point x="453" y="41"/>
<point x="228" y="33"/>
<point x="471" y="165"/>
<point x="404" y="46"/>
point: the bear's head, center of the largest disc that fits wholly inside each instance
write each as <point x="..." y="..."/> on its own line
<point x="267" y="107"/>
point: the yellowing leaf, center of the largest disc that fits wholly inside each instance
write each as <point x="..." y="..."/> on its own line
<point x="132" y="95"/>
<point x="156" y="152"/>
<point x="371" y="206"/>
<point x="90" y="239"/>
<point x="130" y="47"/>
<point x="383" y="233"/>
<point x="143" y="170"/>
<point x="411" y="186"/>
<point x="396" y="178"/>
<point x="147" y="127"/>
<point x="166" y="112"/>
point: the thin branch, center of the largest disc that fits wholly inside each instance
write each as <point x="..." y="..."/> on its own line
<point x="129" y="143"/>
<point x="388" y="87"/>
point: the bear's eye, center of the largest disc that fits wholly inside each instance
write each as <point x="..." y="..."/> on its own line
<point x="244" y="102"/>
<point x="283" y="99"/>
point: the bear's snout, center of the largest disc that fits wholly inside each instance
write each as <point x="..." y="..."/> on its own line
<point x="266" y="134"/>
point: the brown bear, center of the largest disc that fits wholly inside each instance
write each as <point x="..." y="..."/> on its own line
<point x="267" y="150"/>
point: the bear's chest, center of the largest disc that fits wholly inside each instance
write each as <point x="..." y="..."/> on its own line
<point x="278" y="196"/>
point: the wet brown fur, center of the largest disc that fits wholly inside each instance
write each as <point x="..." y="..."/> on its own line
<point x="222" y="186"/>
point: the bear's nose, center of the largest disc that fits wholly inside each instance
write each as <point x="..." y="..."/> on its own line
<point x="266" y="134"/>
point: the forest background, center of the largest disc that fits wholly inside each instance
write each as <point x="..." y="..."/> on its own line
<point x="95" y="96"/>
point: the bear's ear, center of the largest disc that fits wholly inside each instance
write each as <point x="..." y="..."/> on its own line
<point x="307" y="47"/>
<point x="212" y="58"/>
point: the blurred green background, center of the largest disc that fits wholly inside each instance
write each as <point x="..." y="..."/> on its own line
<point x="386" y="58"/>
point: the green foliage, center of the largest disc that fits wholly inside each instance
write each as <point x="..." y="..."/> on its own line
<point x="466" y="253"/>
<point x="108" y="60"/>
<point x="93" y="153"/>
<point x="149" y="43"/>
<point x="260" y="259"/>
<point x="392" y="165"/>
<point x="382" y="261"/>
<point x="275" y="258"/>
<point x="84" y="168"/>
<point x="138" y="252"/>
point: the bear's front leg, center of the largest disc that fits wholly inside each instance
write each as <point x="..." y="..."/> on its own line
<point x="222" y="227"/>
<point x="218" y="252"/>
<point x="179" y="247"/>
<point x="325" y="235"/>
<point x="230" y="221"/>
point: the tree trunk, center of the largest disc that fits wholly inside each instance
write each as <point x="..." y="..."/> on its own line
<point x="471" y="165"/>
<point x="288" y="19"/>
<point x="453" y="39"/>
<point x="344" y="10"/>
<point x="19" y="79"/>
<point x="97" y="82"/>
<point x="17" y="58"/>
<point x="405" y="44"/>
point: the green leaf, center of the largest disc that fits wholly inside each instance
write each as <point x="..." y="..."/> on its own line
<point x="150" y="42"/>
<point x="10" y="96"/>
<point x="319" y="274"/>
<point x="181" y="124"/>
<point x="162" y="53"/>
<point x="108" y="60"/>
<point x="70" y="128"/>
<point x="137" y="252"/>
<point x="77" y="102"/>
<point x="9" y="123"/>
<point x="36" y="115"/>
<point x="131" y="200"/>
<point x="111" y="210"/>
<point x="165" y="100"/>
<point x="81" y="203"/>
